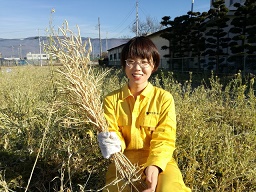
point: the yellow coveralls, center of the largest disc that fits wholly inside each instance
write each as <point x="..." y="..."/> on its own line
<point x="147" y="129"/>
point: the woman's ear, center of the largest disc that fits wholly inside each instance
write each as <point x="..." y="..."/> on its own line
<point x="154" y="69"/>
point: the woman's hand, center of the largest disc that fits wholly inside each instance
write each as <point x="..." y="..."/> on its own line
<point x="109" y="143"/>
<point x="151" y="173"/>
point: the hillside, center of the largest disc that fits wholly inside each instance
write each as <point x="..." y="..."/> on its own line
<point x="20" y="47"/>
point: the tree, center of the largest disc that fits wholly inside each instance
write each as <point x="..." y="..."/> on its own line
<point x="252" y="34"/>
<point x="243" y="30"/>
<point x="177" y="35"/>
<point x="168" y="34"/>
<point x="216" y="36"/>
<point x="151" y="25"/>
<point x="185" y="36"/>
<point x="197" y="39"/>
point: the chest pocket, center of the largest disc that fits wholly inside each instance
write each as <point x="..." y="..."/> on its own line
<point x="150" y="122"/>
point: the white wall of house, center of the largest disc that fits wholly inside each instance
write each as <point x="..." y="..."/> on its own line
<point x="114" y="55"/>
<point x="159" y="42"/>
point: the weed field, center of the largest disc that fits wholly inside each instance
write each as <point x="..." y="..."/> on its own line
<point x="47" y="145"/>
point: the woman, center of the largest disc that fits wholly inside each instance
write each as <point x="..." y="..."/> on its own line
<point x="142" y="121"/>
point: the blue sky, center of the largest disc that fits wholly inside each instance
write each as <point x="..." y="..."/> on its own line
<point x="27" y="18"/>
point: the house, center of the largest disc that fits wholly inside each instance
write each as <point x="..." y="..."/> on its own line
<point x="115" y="53"/>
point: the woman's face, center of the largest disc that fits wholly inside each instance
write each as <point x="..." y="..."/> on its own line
<point x="138" y="71"/>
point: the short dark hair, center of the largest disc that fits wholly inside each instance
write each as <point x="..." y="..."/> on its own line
<point x="140" y="47"/>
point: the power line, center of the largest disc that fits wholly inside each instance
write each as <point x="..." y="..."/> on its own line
<point x="125" y="19"/>
<point x="132" y="22"/>
<point x="143" y="11"/>
<point x="118" y="28"/>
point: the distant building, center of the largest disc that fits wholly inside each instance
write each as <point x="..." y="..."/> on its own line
<point x="36" y="56"/>
<point x="10" y="61"/>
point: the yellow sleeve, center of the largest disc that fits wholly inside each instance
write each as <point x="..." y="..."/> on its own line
<point x="163" y="140"/>
<point x="110" y="112"/>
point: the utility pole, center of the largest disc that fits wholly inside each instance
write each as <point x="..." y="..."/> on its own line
<point x="40" y="50"/>
<point x="192" y="6"/>
<point x="100" y="38"/>
<point x="137" y="19"/>
<point x="92" y="51"/>
<point x="106" y="41"/>
<point x="20" y="51"/>
<point x="12" y="52"/>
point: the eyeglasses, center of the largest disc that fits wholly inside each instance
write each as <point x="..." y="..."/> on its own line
<point x="131" y="63"/>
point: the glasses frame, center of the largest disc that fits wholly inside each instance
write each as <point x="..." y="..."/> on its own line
<point x="143" y="66"/>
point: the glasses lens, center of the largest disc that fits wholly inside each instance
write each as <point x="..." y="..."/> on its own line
<point x="132" y="63"/>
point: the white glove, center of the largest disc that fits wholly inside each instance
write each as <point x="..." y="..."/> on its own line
<point x="109" y="143"/>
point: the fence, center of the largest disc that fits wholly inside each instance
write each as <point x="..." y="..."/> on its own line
<point x="20" y="62"/>
<point x="224" y="64"/>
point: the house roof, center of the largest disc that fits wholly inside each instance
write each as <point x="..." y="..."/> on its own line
<point x="150" y="35"/>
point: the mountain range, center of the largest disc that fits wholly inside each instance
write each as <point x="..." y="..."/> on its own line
<point x="18" y="48"/>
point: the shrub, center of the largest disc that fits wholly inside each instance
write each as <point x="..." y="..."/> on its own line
<point x="215" y="133"/>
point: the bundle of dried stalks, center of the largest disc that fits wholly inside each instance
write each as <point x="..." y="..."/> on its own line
<point x="84" y="91"/>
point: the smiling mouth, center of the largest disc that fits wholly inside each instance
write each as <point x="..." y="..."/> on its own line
<point x="137" y="75"/>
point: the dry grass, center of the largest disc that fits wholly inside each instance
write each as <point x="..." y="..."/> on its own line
<point x="215" y="146"/>
<point x="216" y="133"/>
<point x="3" y="185"/>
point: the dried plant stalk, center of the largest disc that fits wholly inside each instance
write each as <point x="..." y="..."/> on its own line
<point x="84" y="91"/>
